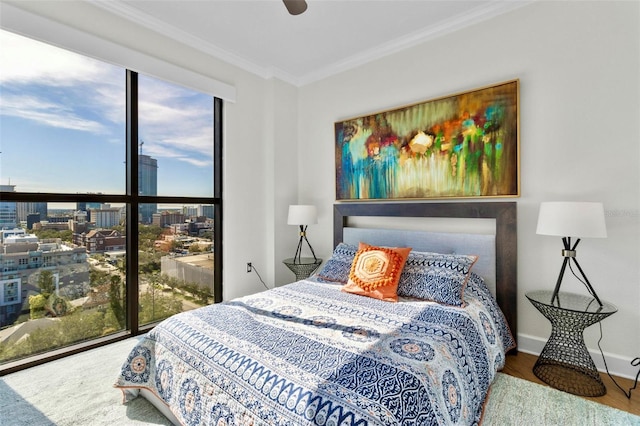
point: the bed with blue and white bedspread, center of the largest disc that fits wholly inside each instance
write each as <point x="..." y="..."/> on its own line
<point x="310" y="354"/>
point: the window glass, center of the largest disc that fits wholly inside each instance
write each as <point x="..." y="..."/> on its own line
<point x="64" y="248"/>
<point x="62" y="280"/>
<point x="62" y="112"/>
<point x="175" y="261"/>
<point x="175" y="131"/>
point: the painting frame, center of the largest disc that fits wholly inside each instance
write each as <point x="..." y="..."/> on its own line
<point x="463" y="145"/>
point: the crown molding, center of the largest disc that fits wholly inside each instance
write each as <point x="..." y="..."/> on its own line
<point x="472" y="17"/>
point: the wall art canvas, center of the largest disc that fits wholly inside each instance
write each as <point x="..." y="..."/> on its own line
<point x="463" y="145"/>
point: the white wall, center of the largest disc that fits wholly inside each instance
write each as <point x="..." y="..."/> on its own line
<point x="579" y="69"/>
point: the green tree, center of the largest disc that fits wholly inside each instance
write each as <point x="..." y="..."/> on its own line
<point x="46" y="284"/>
<point x="116" y="301"/>
<point x="64" y="235"/>
<point x="98" y="277"/>
<point x="176" y="245"/>
<point x="57" y="306"/>
<point x="147" y="236"/>
<point x="195" y="248"/>
<point x="36" y="306"/>
<point x="155" y="306"/>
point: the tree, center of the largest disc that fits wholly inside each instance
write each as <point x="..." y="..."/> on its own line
<point x="155" y="306"/>
<point x="176" y="245"/>
<point x="116" y="300"/>
<point x="44" y="234"/>
<point x="195" y="248"/>
<point x="147" y="236"/>
<point x="57" y="306"/>
<point x="46" y="284"/>
<point x="98" y="277"/>
<point x="36" y="306"/>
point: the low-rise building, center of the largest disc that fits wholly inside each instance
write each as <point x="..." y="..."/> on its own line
<point x="22" y="258"/>
<point x="195" y="268"/>
<point x="101" y="240"/>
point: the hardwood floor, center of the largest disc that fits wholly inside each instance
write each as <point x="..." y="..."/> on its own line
<point x="521" y="365"/>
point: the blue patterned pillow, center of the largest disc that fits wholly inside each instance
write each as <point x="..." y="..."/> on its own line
<point x="337" y="268"/>
<point x="437" y="277"/>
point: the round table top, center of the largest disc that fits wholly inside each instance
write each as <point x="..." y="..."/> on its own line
<point x="302" y="261"/>
<point x="571" y="302"/>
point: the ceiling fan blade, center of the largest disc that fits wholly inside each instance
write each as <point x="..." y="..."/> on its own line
<point x="295" y="7"/>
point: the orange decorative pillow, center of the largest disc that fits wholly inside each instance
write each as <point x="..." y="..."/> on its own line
<point x="375" y="271"/>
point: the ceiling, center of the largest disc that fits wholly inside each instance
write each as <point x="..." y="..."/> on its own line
<point x="331" y="36"/>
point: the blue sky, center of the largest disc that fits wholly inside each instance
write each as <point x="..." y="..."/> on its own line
<point x="62" y="124"/>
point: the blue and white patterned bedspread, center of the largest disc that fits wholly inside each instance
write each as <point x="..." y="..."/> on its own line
<point x="307" y="353"/>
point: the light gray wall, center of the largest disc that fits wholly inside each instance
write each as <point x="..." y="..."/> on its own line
<point x="579" y="70"/>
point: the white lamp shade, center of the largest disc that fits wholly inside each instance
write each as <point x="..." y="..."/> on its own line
<point x="302" y="215"/>
<point x="572" y="219"/>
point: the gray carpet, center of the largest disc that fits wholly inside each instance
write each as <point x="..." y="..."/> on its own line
<point x="78" y="390"/>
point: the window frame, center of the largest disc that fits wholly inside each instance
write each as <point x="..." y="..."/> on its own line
<point x="132" y="200"/>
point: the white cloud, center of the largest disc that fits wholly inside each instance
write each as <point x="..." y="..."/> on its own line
<point x="47" y="113"/>
<point x="176" y="123"/>
<point x="61" y="89"/>
<point x="58" y="88"/>
<point x="196" y="162"/>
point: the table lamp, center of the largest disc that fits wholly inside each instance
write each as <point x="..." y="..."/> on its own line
<point x="303" y="216"/>
<point x="572" y="220"/>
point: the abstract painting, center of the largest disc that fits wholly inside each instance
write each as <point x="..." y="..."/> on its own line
<point x="463" y="145"/>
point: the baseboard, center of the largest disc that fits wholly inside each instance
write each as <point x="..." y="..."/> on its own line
<point x="618" y="366"/>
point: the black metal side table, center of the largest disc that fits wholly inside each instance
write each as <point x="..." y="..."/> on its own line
<point x="302" y="267"/>
<point x="565" y="362"/>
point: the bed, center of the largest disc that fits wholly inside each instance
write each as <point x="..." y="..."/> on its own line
<point x="312" y="353"/>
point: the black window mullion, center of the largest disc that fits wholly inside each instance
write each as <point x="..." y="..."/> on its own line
<point x="217" y="194"/>
<point x="132" y="200"/>
<point x="133" y="205"/>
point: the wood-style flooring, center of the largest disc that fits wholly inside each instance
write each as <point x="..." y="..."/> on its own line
<point x="521" y="365"/>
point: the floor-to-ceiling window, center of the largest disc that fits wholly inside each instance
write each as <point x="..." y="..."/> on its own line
<point x="110" y="201"/>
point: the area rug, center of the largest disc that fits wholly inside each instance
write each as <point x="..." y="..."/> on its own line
<point x="74" y="391"/>
<point x="78" y="391"/>
<point x="514" y="401"/>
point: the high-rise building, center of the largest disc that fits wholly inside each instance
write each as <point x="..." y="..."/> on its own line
<point x="32" y="219"/>
<point x="105" y="217"/>
<point x="190" y="211"/>
<point x="8" y="210"/>
<point x="26" y="208"/>
<point x="147" y="185"/>
<point x="206" y="210"/>
<point x="86" y="206"/>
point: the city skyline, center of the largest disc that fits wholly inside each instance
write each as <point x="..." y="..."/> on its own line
<point x="66" y="112"/>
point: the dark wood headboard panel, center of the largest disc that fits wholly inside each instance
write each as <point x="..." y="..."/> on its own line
<point x="504" y="213"/>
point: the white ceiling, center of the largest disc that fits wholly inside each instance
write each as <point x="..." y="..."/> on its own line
<point x="331" y="36"/>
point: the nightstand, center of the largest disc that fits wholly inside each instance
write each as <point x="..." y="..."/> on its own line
<point x="565" y="362"/>
<point x="303" y="267"/>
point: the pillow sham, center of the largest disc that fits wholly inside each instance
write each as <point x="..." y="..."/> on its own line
<point x="376" y="271"/>
<point x="337" y="268"/>
<point x="436" y="277"/>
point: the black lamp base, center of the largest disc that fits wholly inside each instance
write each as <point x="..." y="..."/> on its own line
<point x="303" y="236"/>
<point x="569" y="254"/>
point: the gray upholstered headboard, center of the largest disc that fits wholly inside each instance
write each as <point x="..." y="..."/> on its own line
<point x="505" y="240"/>
<point x="481" y="245"/>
